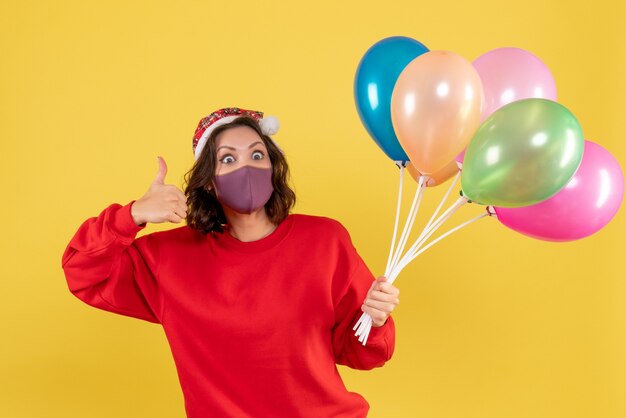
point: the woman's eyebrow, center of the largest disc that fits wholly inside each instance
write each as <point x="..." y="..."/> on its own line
<point x="235" y="149"/>
<point x="226" y="146"/>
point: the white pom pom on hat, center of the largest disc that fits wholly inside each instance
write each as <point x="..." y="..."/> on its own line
<point x="269" y="125"/>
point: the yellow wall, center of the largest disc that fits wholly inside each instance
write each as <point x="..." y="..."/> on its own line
<point x="491" y="324"/>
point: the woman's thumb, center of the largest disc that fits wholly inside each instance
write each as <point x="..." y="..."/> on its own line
<point x="160" y="177"/>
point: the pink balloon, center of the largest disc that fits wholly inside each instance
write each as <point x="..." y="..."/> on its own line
<point x="583" y="207"/>
<point x="459" y="159"/>
<point x="511" y="74"/>
<point x="508" y="75"/>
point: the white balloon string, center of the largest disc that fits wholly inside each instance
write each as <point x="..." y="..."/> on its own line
<point x="419" y="192"/>
<point x="365" y="322"/>
<point x="365" y="317"/>
<point x="395" y="263"/>
<point x="430" y="221"/>
<point x="406" y="225"/>
<point x="445" y="197"/>
<point x="361" y="320"/>
<point x="425" y="235"/>
<point x="364" y="327"/>
<point x="358" y="322"/>
<point x="395" y="227"/>
<point x="463" y="225"/>
<point x="366" y="335"/>
<point x="361" y="325"/>
<point x="366" y="332"/>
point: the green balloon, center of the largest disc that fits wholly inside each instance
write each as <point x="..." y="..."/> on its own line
<point x="524" y="153"/>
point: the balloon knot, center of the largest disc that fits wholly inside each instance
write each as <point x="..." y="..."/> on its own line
<point x="465" y="197"/>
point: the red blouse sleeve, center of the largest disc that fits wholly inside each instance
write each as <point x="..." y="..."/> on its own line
<point x="106" y="267"/>
<point x="347" y="348"/>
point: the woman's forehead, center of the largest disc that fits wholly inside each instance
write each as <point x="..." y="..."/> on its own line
<point x="238" y="137"/>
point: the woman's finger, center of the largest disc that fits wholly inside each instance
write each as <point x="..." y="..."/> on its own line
<point x="388" y="288"/>
<point x="386" y="307"/>
<point x="378" y="317"/>
<point x="181" y="195"/>
<point x="174" y="217"/>
<point x="382" y="297"/>
<point x="181" y="209"/>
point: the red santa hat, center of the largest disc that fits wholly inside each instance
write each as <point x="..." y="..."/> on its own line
<point x="269" y="125"/>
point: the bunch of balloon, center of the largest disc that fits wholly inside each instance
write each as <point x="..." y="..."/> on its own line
<point x="577" y="186"/>
<point x="422" y="116"/>
<point x="495" y="125"/>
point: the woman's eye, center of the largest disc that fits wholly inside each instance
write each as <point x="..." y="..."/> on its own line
<point x="227" y="159"/>
<point x="257" y="155"/>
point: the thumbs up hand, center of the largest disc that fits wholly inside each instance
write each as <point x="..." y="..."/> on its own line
<point x="161" y="203"/>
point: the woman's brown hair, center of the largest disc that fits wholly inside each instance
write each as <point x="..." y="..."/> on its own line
<point x="204" y="211"/>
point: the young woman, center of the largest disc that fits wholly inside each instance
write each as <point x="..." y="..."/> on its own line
<point x="257" y="304"/>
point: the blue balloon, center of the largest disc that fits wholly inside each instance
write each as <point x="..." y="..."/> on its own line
<point x="375" y="78"/>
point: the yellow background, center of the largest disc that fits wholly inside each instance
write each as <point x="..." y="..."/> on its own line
<point x="491" y="324"/>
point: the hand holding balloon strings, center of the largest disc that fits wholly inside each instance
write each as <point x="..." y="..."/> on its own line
<point x="394" y="268"/>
